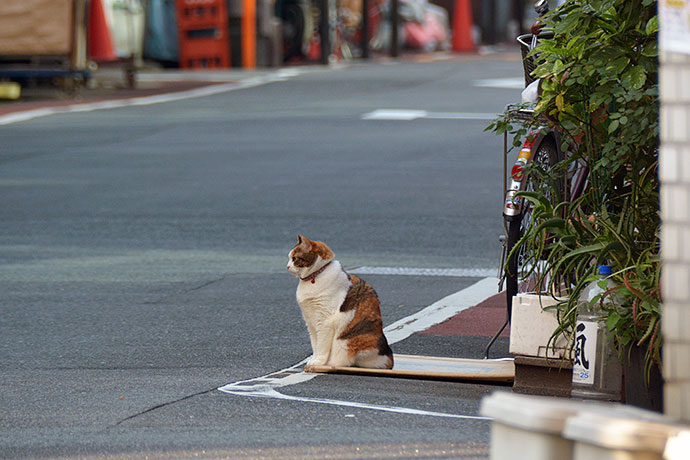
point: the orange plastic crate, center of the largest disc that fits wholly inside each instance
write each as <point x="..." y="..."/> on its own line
<point x="203" y="34"/>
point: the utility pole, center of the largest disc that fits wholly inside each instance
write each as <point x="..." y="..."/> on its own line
<point x="324" y="30"/>
<point x="491" y="25"/>
<point x="249" y="34"/>
<point x="395" y="22"/>
<point x="365" y="29"/>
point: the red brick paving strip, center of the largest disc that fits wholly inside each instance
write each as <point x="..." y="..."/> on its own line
<point x="482" y="320"/>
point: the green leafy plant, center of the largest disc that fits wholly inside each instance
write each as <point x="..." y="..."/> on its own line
<point x="599" y="88"/>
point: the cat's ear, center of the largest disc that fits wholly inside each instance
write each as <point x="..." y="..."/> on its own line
<point x="302" y="240"/>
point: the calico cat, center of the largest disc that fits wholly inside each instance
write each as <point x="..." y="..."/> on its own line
<point x="341" y="310"/>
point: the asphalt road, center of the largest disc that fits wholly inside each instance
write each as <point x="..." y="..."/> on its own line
<point x="143" y="252"/>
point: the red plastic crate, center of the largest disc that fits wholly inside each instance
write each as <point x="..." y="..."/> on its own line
<point x="203" y="34"/>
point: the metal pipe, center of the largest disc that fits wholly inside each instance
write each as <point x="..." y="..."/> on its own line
<point x="493" y="339"/>
<point x="324" y="31"/>
<point x="365" y="29"/>
<point x="395" y="22"/>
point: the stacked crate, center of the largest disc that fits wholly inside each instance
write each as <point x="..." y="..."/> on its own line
<point x="203" y="34"/>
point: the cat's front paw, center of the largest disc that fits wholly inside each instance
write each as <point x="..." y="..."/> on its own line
<point x="316" y="368"/>
<point x="313" y="364"/>
<point x="309" y="368"/>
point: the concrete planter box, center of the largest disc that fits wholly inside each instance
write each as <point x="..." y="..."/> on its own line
<point x="598" y="436"/>
<point x="541" y="366"/>
<point x="528" y="427"/>
<point x="542" y="428"/>
<point x="531" y="326"/>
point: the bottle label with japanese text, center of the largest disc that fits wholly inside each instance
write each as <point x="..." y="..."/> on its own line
<point x="584" y="355"/>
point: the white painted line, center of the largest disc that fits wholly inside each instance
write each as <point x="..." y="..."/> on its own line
<point x="148" y="100"/>
<point x="460" y="116"/>
<point x="411" y="271"/>
<point x="391" y="114"/>
<point x="212" y="76"/>
<point x="502" y="83"/>
<point x="266" y="386"/>
<point x="136" y="101"/>
<point x="410" y="115"/>
<point x="335" y="402"/>
<point x="286" y="377"/>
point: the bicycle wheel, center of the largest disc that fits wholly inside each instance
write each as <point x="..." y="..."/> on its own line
<point x="546" y="157"/>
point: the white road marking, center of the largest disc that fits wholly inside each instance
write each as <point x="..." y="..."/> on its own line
<point x="460" y="116"/>
<point x="266" y="386"/>
<point x="503" y="83"/>
<point x="271" y="393"/>
<point x="409" y="115"/>
<point x="411" y="271"/>
<point x="220" y="76"/>
<point x="148" y="100"/>
<point x="392" y="114"/>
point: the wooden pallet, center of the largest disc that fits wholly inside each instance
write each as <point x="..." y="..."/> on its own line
<point x="437" y="368"/>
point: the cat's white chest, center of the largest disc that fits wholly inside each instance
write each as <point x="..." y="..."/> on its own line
<point x="325" y="295"/>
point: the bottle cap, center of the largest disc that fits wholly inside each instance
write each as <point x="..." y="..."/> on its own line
<point x="604" y="269"/>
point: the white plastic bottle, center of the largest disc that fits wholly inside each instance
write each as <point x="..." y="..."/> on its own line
<point x="597" y="372"/>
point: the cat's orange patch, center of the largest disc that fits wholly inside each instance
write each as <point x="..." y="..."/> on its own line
<point x="320" y="249"/>
<point x="302" y="256"/>
<point x="361" y="343"/>
<point x="309" y="250"/>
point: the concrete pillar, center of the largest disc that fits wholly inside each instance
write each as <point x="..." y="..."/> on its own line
<point x="674" y="171"/>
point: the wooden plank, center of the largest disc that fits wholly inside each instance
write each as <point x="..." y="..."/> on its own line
<point x="436" y="368"/>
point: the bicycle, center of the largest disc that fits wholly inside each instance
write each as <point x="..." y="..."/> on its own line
<point x="541" y="150"/>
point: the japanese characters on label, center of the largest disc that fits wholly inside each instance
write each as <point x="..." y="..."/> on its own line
<point x="584" y="355"/>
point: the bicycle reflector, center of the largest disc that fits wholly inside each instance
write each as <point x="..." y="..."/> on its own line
<point x="516" y="172"/>
<point x="523" y="157"/>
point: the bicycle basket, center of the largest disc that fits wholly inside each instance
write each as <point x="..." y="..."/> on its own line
<point x="528" y="62"/>
<point x="519" y="113"/>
